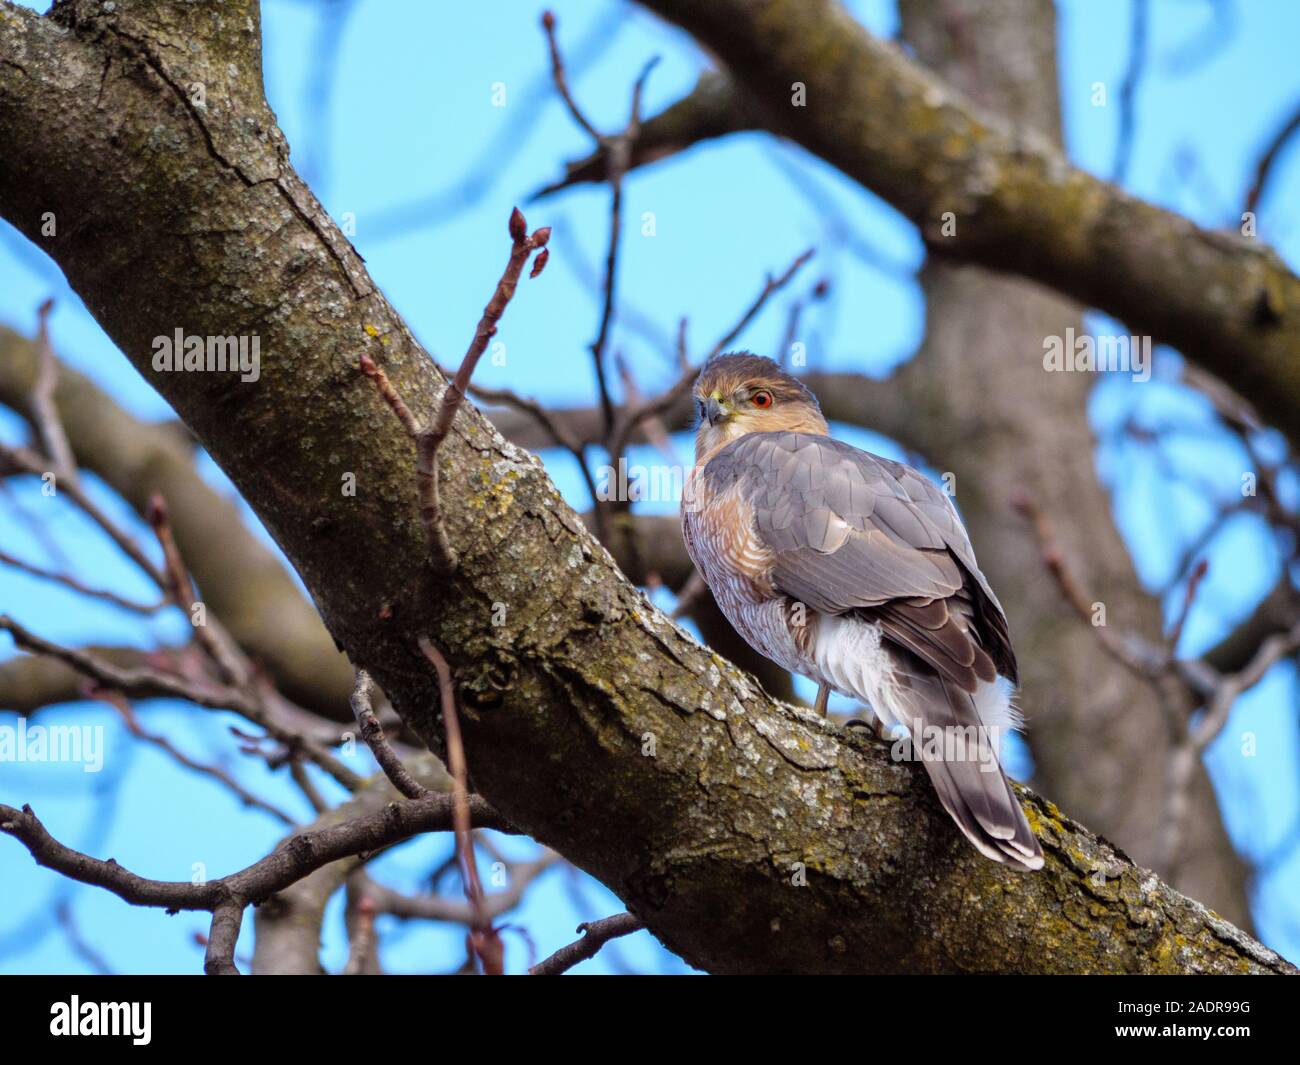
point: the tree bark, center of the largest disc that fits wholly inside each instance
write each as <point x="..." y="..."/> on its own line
<point x="589" y="720"/>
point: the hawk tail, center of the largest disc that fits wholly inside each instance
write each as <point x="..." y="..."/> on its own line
<point x="953" y="731"/>
<point x="960" y="756"/>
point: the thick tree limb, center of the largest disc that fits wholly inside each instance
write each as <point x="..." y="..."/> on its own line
<point x="1228" y="303"/>
<point x="590" y="721"/>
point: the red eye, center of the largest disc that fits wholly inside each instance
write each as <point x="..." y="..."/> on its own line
<point x="761" y="399"/>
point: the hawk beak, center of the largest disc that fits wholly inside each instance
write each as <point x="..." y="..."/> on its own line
<point x="714" y="411"/>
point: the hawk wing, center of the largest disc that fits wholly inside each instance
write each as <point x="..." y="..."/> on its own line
<point x="851" y="531"/>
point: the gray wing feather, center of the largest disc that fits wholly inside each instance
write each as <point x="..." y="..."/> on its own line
<point x="851" y="531"/>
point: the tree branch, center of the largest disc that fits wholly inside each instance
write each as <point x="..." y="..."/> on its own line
<point x="655" y="765"/>
<point x="1227" y="302"/>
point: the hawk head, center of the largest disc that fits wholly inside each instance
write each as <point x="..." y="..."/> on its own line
<point x="740" y="393"/>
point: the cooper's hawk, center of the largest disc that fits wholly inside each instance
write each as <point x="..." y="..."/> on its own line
<point x="856" y="572"/>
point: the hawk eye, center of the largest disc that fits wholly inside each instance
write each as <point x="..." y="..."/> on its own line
<point x="761" y="399"/>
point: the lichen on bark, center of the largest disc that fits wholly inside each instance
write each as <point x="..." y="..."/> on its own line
<point x="192" y="217"/>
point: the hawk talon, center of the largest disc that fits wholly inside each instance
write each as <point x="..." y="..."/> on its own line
<point x="823" y="697"/>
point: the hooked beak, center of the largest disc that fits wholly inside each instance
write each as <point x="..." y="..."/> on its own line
<point x="714" y="411"/>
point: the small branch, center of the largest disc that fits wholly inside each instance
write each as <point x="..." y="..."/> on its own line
<point x="77" y="586"/>
<point x="227" y="918"/>
<point x="429" y="438"/>
<point x="143" y="681"/>
<point x="122" y="705"/>
<point x="1200" y="733"/>
<point x="595" y="934"/>
<point x="561" y="80"/>
<point x="1147" y="663"/>
<point x="617" y="152"/>
<point x="661" y="404"/>
<point x="80" y="946"/>
<point x="226" y="897"/>
<point x="1128" y="89"/>
<point x="456" y="911"/>
<point x="225" y="655"/>
<point x="712" y="109"/>
<point x="771" y="286"/>
<point x="1189" y="597"/>
<point x="363" y="937"/>
<point x="45" y="412"/>
<point x="484" y="942"/>
<point x="298" y="772"/>
<point x="21" y="459"/>
<point x="373" y="733"/>
<point x="554" y="429"/>
<point x="1264" y="168"/>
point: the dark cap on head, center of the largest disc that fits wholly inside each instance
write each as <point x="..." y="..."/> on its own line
<point x="738" y="369"/>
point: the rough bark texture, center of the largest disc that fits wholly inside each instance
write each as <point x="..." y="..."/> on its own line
<point x="1226" y="301"/>
<point x="192" y="217"/>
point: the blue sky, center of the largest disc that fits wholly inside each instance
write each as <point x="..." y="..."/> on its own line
<point x="412" y="145"/>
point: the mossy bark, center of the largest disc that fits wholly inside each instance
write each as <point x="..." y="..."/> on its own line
<point x="590" y="720"/>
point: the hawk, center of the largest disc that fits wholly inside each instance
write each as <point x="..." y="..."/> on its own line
<point x="856" y="572"/>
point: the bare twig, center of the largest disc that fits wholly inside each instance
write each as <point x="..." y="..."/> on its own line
<point x="1189" y="597"/>
<point x="456" y="911"/>
<point x="27" y="461"/>
<point x="142" y="681"/>
<point x="227" y="919"/>
<point x="45" y="412"/>
<point x="561" y="80"/>
<point x="595" y="934"/>
<point x="363" y="937"/>
<point x="1128" y="88"/>
<point x="1264" y="168"/>
<point x="79" y="944"/>
<point x="310" y="792"/>
<point x="661" y="404"/>
<point x="122" y="705"/>
<point x="225" y="655"/>
<point x="429" y="438"/>
<point x="1202" y="732"/>
<point x="1143" y="661"/>
<point x="553" y="428"/>
<point x="616" y="150"/>
<point x="483" y="940"/>
<point x="80" y="588"/>
<point x="227" y="896"/>
<point x="373" y="733"/>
